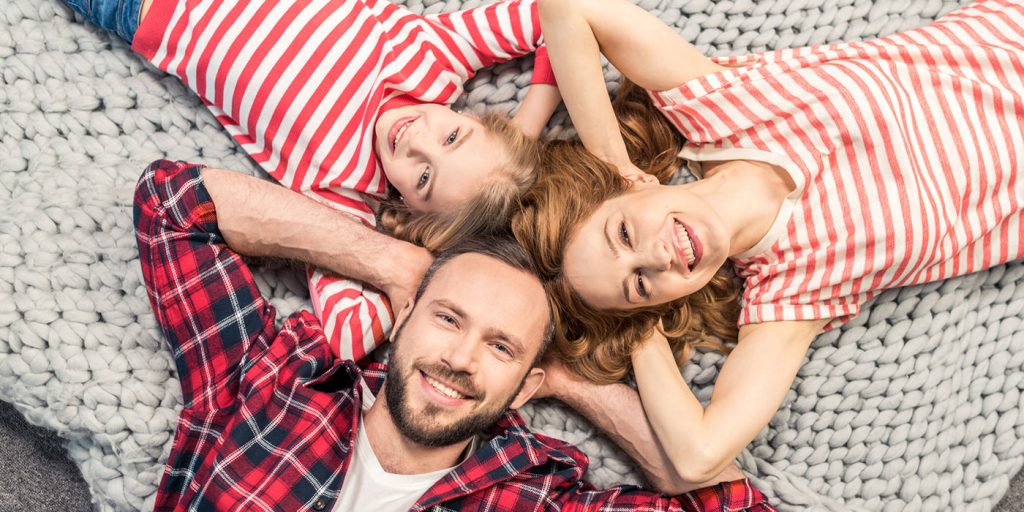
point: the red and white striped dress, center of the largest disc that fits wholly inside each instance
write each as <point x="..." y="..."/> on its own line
<point x="906" y="151"/>
<point x="300" y="83"/>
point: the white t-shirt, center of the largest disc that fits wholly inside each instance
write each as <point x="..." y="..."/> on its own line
<point x="368" y="487"/>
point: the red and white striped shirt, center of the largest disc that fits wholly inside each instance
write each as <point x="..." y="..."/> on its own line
<point x="300" y="83"/>
<point x="906" y="152"/>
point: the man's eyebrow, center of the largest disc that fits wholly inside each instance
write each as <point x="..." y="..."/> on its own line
<point x="491" y="333"/>
<point x="457" y="311"/>
<point x="498" y="334"/>
<point x="615" y="251"/>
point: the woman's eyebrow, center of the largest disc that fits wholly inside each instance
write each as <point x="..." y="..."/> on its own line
<point x="615" y="252"/>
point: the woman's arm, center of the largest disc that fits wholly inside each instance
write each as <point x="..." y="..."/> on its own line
<point x="643" y="48"/>
<point x="700" y="441"/>
<point x="260" y="218"/>
<point x="616" y="410"/>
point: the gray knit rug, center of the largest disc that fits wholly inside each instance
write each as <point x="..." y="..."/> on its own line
<point x="915" y="405"/>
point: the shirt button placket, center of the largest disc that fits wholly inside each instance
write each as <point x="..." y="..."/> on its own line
<point x="320" y="504"/>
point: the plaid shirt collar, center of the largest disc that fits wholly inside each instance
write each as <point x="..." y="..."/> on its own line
<point x="511" y="442"/>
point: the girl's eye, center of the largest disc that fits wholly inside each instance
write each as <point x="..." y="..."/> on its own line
<point x="424" y="178"/>
<point x="641" y="288"/>
<point x="452" y="137"/>
<point x="624" y="235"/>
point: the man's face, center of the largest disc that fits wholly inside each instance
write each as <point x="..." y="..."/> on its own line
<point x="463" y="353"/>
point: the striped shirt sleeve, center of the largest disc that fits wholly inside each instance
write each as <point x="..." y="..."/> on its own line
<point x="493" y="33"/>
<point x="356" y="318"/>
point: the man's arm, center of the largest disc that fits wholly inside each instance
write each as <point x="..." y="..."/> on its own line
<point x="260" y="218"/>
<point x="203" y="296"/>
<point x="617" y="411"/>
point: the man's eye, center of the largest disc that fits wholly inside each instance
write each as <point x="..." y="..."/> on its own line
<point x="448" y="319"/>
<point x="424" y="178"/>
<point x="641" y="288"/>
<point x="624" y="235"/>
<point x="452" y="137"/>
<point x="503" y="348"/>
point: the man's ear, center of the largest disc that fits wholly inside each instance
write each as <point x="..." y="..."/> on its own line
<point x="404" y="313"/>
<point x="530" y="386"/>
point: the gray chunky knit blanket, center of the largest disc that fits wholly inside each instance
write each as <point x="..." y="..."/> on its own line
<point x="914" y="405"/>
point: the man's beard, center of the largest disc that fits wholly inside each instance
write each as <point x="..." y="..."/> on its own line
<point x="421" y="427"/>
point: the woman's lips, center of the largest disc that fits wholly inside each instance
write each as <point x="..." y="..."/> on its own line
<point x="686" y="245"/>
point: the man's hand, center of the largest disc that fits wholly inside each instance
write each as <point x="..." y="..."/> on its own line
<point x="557" y="378"/>
<point x="298" y="228"/>
<point x="404" y="279"/>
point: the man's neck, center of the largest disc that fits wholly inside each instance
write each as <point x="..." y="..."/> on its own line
<point x="398" y="454"/>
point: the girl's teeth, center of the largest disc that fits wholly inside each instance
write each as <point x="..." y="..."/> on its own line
<point x="401" y="131"/>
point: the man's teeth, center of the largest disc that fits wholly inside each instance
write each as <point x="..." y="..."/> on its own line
<point x="684" y="236"/>
<point x="445" y="390"/>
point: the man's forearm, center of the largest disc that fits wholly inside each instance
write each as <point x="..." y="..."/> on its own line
<point x="260" y="218"/>
<point x="616" y="410"/>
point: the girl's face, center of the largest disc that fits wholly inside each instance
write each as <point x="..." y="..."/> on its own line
<point x="651" y="245"/>
<point x="435" y="157"/>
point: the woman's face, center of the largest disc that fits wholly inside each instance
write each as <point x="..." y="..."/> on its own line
<point x="435" y="157"/>
<point x="651" y="245"/>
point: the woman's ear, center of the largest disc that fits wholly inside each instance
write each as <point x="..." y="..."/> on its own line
<point x="640" y="178"/>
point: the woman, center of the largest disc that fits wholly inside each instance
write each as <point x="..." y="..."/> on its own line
<point x="339" y="100"/>
<point x="828" y="175"/>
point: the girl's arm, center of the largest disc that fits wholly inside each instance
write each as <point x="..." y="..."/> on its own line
<point x="700" y="441"/>
<point x="542" y="98"/>
<point x="644" y="49"/>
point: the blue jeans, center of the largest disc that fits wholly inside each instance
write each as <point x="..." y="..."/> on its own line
<point x="119" y="17"/>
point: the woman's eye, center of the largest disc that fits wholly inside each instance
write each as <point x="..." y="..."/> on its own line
<point x="641" y="288"/>
<point x="452" y="137"/>
<point x="424" y="178"/>
<point x="624" y="235"/>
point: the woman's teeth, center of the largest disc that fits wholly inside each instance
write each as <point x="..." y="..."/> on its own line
<point x="445" y="390"/>
<point x="684" y="237"/>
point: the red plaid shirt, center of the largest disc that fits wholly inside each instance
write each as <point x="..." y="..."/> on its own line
<point x="269" y="414"/>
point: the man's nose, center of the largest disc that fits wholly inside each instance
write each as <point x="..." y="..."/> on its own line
<point x="461" y="355"/>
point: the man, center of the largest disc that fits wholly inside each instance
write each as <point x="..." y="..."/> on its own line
<point x="271" y="421"/>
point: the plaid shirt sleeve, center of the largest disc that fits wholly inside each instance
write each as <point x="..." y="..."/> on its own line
<point x="205" y="299"/>
<point x="735" y="496"/>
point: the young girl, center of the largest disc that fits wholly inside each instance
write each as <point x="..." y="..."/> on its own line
<point x="828" y="175"/>
<point x="340" y="99"/>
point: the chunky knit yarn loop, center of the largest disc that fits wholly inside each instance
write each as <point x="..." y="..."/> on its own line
<point x="914" y="405"/>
